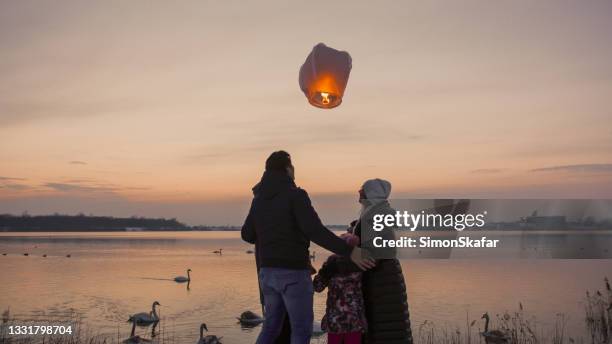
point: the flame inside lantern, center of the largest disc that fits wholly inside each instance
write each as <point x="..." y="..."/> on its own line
<point x="324" y="98"/>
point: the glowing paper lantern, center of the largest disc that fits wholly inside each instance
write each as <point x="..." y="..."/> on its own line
<point x="324" y="75"/>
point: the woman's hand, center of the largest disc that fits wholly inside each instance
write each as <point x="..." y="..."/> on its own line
<point x="360" y="261"/>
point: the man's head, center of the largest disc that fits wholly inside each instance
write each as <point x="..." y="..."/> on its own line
<point x="280" y="161"/>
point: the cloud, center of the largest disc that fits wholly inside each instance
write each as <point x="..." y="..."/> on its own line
<point x="12" y="183"/>
<point x="265" y="137"/>
<point x="77" y="162"/>
<point x="10" y="179"/>
<point x="89" y="186"/>
<point x="73" y="187"/>
<point x="14" y="186"/>
<point x="487" y="170"/>
<point x="78" y="181"/>
<point x="580" y="168"/>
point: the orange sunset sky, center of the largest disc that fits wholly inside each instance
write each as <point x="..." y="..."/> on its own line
<point x="160" y="108"/>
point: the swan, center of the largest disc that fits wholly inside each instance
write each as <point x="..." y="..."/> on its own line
<point x="249" y="318"/>
<point x="493" y="336"/>
<point x="134" y="338"/>
<point x="144" y="318"/>
<point x="210" y="339"/>
<point x="181" y="279"/>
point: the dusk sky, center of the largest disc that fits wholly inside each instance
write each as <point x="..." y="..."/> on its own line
<point x="157" y="108"/>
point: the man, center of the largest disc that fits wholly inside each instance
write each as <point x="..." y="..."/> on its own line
<point x="281" y="223"/>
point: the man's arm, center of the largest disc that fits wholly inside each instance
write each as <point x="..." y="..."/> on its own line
<point x="310" y="224"/>
<point x="248" y="228"/>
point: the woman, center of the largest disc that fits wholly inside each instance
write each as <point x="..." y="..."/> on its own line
<point x="384" y="289"/>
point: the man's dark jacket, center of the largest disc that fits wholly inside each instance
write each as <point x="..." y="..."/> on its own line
<point x="282" y="222"/>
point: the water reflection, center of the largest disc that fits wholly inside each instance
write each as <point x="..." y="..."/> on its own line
<point x="112" y="275"/>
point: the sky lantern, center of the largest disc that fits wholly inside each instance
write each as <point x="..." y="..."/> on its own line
<point x="324" y="75"/>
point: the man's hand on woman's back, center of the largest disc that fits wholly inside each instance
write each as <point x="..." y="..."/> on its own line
<point x="362" y="262"/>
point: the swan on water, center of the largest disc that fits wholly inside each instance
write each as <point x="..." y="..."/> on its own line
<point x="182" y="279"/>
<point x="134" y="338"/>
<point x="144" y="318"/>
<point x="209" y="339"/>
<point x="493" y="336"/>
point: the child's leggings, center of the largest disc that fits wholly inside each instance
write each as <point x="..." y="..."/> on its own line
<point x="344" y="338"/>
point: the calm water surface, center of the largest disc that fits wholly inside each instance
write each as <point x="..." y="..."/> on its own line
<point x="113" y="275"/>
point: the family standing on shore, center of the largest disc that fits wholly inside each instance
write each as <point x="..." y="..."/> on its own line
<point x="366" y="301"/>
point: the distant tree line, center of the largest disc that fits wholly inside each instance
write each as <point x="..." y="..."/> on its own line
<point x="81" y="222"/>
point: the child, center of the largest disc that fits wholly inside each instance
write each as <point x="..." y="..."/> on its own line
<point x="344" y="319"/>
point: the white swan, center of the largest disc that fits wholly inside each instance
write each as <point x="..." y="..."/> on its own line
<point x="134" y="338"/>
<point x="493" y="336"/>
<point x="146" y="318"/>
<point x="181" y="279"/>
<point x="210" y="339"/>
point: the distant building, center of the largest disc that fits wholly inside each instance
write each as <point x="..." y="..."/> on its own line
<point x="546" y="222"/>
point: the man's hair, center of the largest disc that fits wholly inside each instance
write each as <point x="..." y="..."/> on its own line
<point x="278" y="161"/>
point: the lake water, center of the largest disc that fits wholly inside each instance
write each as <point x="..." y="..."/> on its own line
<point x="112" y="275"/>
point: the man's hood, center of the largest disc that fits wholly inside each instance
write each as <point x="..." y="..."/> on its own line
<point x="272" y="183"/>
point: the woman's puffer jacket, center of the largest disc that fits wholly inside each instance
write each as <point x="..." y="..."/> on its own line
<point x="386" y="304"/>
